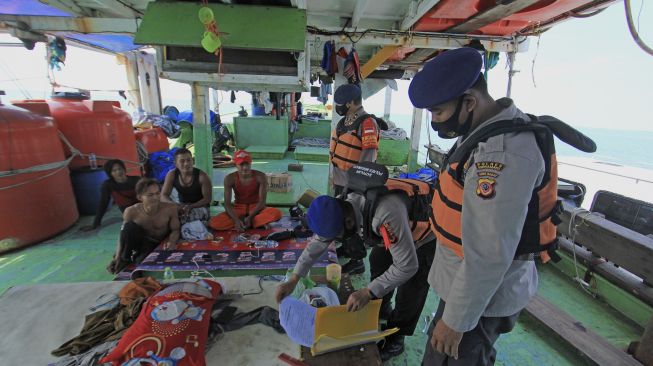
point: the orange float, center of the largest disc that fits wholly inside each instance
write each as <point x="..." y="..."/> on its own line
<point x="154" y="139"/>
<point x="33" y="205"/>
<point x="97" y="127"/>
<point x="449" y="13"/>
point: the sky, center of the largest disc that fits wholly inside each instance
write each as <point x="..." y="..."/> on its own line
<point x="587" y="72"/>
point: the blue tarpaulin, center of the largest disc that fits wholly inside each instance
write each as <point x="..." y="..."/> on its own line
<point x="110" y="42"/>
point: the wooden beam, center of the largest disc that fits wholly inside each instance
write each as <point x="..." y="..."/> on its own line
<point x="498" y="12"/>
<point x="120" y="7"/>
<point x="585" y="341"/>
<point x="71" y="24"/>
<point x="433" y="41"/>
<point x="376" y="60"/>
<point x="419" y="10"/>
<point x="624" y="247"/>
<point x="359" y="9"/>
<point x="69" y="6"/>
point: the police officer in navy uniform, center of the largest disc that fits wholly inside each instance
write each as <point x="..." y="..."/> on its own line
<point x="481" y="284"/>
<point x="354" y="140"/>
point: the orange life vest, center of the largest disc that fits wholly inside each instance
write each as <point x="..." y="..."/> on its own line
<point x="371" y="180"/>
<point x="346" y="146"/>
<point x="539" y="230"/>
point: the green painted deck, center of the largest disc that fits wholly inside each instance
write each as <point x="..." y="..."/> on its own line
<point x="75" y="256"/>
<point x="306" y="153"/>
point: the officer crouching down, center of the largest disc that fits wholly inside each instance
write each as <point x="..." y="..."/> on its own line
<point x="394" y="217"/>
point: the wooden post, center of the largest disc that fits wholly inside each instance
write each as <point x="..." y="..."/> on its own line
<point x="335" y="117"/>
<point x="128" y="59"/>
<point x="148" y="77"/>
<point x="415" y="131"/>
<point x="388" y="103"/>
<point x="202" y="135"/>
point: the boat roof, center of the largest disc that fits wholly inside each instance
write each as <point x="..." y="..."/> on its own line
<point x="110" y="25"/>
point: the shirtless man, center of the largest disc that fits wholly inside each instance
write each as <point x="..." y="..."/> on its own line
<point x="145" y="225"/>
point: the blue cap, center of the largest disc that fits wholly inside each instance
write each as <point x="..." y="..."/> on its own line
<point x="325" y="217"/>
<point x="346" y="93"/>
<point x="446" y="77"/>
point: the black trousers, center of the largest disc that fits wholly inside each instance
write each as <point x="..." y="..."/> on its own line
<point x="135" y="245"/>
<point x="477" y="345"/>
<point x="411" y="296"/>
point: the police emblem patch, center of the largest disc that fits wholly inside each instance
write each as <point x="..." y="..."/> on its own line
<point x="388" y="235"/>
<point x="485" y="188"/>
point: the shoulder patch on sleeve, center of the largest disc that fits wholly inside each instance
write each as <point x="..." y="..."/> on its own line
<point x="388" y="235"/>
<point x="369" y="134"/>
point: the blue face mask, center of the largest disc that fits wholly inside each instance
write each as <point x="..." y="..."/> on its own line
<point x="451" y="128"/>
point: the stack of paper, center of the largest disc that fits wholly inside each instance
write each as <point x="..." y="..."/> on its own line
<point x="331" y="328"/>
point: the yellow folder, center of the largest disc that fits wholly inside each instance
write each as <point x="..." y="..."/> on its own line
<point x="336" y="328"/>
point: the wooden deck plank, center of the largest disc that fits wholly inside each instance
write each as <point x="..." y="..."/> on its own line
<point x="584" y="340"/>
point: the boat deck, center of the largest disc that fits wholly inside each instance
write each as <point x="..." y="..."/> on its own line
<point x="75" y="256"/>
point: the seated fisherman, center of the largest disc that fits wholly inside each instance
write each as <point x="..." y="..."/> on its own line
<point x="401" y="255"/>
<point x="193" y="187"/>
<point x="119" y="187"/>
<point x="145" y="226"/>
<point x="250" y="188"/>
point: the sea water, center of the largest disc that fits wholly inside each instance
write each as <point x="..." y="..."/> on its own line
<point x="621" y="164"/>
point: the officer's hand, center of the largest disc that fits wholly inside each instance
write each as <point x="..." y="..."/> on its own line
<point x="286" y="288"/>
<point x="446" y="340"/>
<point x="358" y="299"/>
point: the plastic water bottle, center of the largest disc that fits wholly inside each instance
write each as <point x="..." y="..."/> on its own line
<point x="92" y="161"/>
<point x="168" y="275"/>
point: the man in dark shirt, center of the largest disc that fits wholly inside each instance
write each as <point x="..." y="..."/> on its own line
<point x="193" y="187"/>
<point x="120" y="187"/>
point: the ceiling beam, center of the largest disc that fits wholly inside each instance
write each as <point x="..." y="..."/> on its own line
<point x="417" y="9"/>
<point x="70" y="24"/>
<point x="359" y="9"/>
<point x="489" y="16"/>
<point x="69" y="6"/>
<point x="344" y="14"/>
<point x="377" y="60"/>
<point x="117" y="6"/>
<point x="432" y="41"/>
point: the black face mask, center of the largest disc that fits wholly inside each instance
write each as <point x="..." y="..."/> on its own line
<point x="451" y="128"/>
<point x="342" y="109"/>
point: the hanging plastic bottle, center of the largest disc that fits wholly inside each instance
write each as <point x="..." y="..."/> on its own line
<point x="92" y="161"/>
<point x="168" y="275"/>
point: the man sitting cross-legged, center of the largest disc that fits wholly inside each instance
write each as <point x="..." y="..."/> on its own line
<point x="250" y="188"/>
<point x="145" y="225"/>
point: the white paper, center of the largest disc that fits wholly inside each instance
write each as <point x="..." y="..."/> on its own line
<point x="298" y="319"/>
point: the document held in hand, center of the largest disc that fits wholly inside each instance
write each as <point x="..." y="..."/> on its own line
<point x="334" y="328"/>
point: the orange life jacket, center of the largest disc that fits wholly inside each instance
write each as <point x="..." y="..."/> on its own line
<point x="539" y="230"/>
<point x="346" y="146"/>
<point x="371" y="180"/>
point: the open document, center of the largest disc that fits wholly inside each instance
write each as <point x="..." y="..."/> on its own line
<point x="331" y="328"/>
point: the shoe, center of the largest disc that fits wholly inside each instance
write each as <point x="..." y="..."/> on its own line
<point x="354" y="266"/>
<point x="393" y="346"/>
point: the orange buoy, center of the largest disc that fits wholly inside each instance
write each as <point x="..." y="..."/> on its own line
<point x="96" y="127"/>
<point x="154" y="139"/>
<point x="37" y="204"/>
